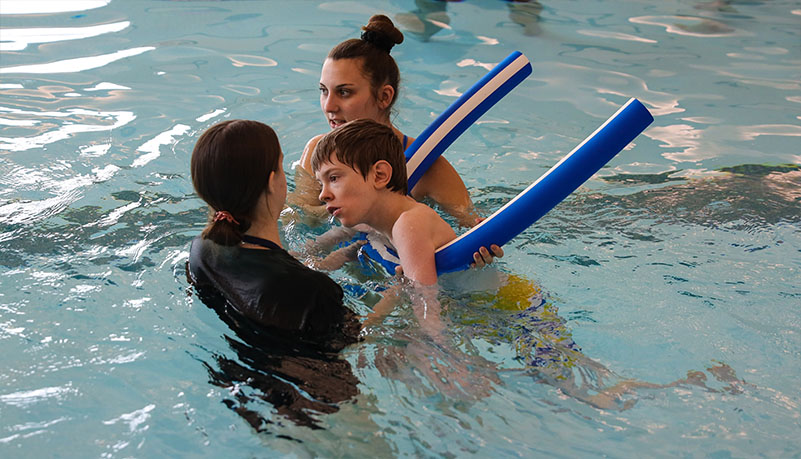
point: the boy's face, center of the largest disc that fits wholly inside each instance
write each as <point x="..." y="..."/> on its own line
<point x="346" y="193"/>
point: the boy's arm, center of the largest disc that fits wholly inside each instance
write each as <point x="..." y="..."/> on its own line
<point x="337" y="258"/>
<point x="315" y="251"/>
<point x="412" y="239"/>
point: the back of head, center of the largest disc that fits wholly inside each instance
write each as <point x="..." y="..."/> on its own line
<point x="231" y="165"/>
<point x="360" y="144"/>
<point x="378" y="38"/>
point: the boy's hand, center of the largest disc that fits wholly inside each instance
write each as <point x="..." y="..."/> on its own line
<point x="339" y="257"/>
<point x="483" y="257"/>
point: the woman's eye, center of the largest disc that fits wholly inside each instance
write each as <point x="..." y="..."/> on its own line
<point x="323" y="91"/>
<point x="344" y="92"/>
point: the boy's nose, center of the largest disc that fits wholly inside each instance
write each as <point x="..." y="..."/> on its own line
<point x="325" y="196"/>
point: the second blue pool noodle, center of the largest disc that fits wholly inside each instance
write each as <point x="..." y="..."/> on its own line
<point x="554" y="186"/>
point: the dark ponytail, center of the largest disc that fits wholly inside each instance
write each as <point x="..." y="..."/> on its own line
<point x="377" y="39"/>
<point x="231" y="165"/>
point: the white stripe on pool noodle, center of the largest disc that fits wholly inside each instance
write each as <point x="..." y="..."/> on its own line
<point x="464" y="110"/>
<point x="380" y="243"/>
<point x="539" y="179"/>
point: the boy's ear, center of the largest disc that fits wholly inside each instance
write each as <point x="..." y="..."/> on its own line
<point x="385" y="95"/>
<point x="383" y="173"/>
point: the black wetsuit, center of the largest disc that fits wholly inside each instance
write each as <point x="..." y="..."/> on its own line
<point x="271" y="288"/>
<point x="290" y="322"/>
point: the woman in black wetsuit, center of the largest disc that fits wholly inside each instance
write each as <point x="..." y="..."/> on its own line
<point x="279" y="309"/>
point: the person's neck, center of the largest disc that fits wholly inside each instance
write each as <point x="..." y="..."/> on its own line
<point x="387" y="210"/>
<point x="265" y="229"/>
<point x="397" y="131"/>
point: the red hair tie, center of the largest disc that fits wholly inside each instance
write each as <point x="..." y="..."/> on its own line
<point x="223" y="215"/>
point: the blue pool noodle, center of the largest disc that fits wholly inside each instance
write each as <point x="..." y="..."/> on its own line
<point x="550" y="189"/>
<point x="449" y="125"/>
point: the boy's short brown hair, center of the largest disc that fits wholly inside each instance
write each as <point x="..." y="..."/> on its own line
<point x="361" y="143"/>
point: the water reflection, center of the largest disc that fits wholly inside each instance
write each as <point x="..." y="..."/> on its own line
<point x="49" y="127"/>
<point x="19" y="7"/>
<point x="19" y="39"/>
<point x="690" y="26"/>
<point x="297" y="378"/>
<point x="744" y="197"/>
<point x="78" y="64"/>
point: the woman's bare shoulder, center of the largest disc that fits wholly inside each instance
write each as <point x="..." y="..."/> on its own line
<point x="305" y="158"/>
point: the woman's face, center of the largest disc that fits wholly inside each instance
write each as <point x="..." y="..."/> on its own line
<point x="346" y="95"/>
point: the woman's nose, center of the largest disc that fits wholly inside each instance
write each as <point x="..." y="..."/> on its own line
<point x="329" y="103"/>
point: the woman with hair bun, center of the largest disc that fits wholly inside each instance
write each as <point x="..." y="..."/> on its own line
<point x="360" y="79"/>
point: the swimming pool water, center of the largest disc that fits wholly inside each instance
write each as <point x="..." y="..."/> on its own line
<point x="681" y="256"/>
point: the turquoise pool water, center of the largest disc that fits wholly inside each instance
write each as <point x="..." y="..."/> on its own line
<point x="682" y="256"/>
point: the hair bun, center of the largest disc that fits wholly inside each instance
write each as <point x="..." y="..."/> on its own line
<point x="382" y="33"/>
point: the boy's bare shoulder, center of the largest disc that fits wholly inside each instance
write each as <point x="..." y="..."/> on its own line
<point x="417" y="214"/>
<point x="424" y="220"/>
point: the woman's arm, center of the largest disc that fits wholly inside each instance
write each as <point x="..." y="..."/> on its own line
<point x="306" y="194"/>
<point x="305" y="158"/>
<point x="442" y="183"/>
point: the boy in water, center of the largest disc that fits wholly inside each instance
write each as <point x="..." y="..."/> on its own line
<point x="362" y="170"/>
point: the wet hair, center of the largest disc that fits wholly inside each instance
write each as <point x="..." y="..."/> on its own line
<point x="378" y="38"/>
<point x="231" y="166"/>
<point x="361" y="143"/>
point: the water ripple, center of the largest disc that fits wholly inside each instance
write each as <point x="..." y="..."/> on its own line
<point x="14" y="7"/>
<point x="25" y="398"/>
<point x="691" y="26"/>
<point x="72" y="121"/>
<point x="19" y="39"/>
<point x="78" y="64"/>
<point x="133" y="419"/>
<point x="152" y="147"/>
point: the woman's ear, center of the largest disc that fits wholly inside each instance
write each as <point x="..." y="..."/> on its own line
<point x="382" y="171"/>
<point x="385" y="95"/>
<point x="271" y="185"/>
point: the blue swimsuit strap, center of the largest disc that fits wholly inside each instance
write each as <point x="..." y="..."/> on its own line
<point x="405" y="141"/>
<point x="266" y="243"/>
